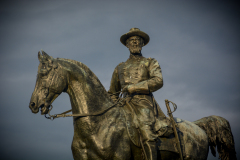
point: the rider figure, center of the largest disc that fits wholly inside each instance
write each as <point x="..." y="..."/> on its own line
<point x="138" y="77"/>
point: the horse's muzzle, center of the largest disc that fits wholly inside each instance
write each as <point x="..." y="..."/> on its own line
<point x="33" y="107"/>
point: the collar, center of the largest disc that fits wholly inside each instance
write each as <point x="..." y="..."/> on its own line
<point x="135" y="56"/>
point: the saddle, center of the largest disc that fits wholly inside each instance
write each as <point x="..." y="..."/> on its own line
<point x="166" y="140"/>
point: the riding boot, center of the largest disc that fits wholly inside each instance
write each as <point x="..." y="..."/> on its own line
<point x="151" y="150"/>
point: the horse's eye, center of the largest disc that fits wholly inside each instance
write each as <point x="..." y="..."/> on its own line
<point x="45" y="91"/>
<point x="44" y="65"/>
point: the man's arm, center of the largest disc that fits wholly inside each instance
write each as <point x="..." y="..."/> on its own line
<point x="114" y="86"/>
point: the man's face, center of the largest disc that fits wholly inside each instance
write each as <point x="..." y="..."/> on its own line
<point x="134" y="44"/>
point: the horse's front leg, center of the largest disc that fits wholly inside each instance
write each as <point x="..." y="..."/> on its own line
<point x="79" y="150"/>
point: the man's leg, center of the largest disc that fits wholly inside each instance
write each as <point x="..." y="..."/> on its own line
<point x="151" y="150"/>
<point x="148" y="139"/>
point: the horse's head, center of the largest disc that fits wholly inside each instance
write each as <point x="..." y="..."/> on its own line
<point x="51" y="82"/>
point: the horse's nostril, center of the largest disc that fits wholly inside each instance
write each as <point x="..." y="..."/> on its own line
<point x="32" y="104"/>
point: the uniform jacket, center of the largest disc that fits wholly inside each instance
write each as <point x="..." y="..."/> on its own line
<point x="142" y="74"/>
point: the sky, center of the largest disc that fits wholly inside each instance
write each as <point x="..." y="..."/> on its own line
<point x="195" y="42"/>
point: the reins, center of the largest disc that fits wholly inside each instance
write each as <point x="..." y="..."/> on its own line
<point x="64" y="114"/>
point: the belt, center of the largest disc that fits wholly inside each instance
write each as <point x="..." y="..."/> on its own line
<point x="133" y="94"/>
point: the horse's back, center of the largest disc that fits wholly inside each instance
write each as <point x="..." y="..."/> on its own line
<point x="194" y="140"/>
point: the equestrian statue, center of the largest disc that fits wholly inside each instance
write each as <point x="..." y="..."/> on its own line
<point x="126" y="122"/>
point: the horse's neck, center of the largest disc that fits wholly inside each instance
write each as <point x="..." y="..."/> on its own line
<point x="87" y="94"/>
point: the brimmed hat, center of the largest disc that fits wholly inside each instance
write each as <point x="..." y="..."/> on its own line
<point x="135" y="32"/>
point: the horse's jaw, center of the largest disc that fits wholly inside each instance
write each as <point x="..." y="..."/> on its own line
<point x="44" y="109"/>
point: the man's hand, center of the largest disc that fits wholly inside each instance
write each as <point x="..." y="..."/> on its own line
<point x="129" y="89"/>
<point x="125" y="89"/>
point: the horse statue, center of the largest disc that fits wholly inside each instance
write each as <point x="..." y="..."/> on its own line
<point x="101" y="132"/>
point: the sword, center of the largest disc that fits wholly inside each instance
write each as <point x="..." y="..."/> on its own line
<point x="174" y="124"/>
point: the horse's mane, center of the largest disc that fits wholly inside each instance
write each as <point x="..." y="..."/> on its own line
<point x="81" y="65"/>
<point x="98" y="97"/>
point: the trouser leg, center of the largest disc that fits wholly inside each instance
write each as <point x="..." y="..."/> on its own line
<point x="151" y="150"/>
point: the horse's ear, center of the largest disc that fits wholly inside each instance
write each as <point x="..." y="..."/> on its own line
<point x="40" y="56"/>
<point x="46" y="56"/>
<point x="51" y="60"/>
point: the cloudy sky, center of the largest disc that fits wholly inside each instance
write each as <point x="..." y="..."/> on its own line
<point x="195" y="42"/>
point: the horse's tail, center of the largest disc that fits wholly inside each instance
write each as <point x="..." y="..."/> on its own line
<point x="219" y="134"/>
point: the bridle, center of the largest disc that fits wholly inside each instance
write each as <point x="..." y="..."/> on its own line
<point x="52" y="77"/>
<point x="64" y="114"/>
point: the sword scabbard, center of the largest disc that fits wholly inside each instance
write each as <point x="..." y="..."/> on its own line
<point x="174" y="124"/>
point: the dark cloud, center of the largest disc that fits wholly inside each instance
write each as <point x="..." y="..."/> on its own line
<point x="195" y="42"/>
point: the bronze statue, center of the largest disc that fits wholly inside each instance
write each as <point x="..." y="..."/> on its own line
<point x="138" y="77"/>
<point x="109" y="127"/>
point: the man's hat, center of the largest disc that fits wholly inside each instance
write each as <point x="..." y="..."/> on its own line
<point x="135" y="32"/>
